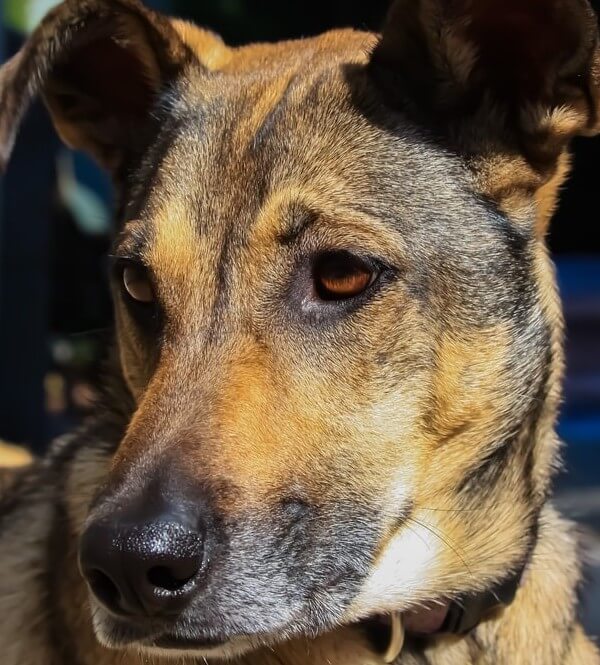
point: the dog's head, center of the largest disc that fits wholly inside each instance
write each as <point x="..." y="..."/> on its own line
<point x="335" y="310"/>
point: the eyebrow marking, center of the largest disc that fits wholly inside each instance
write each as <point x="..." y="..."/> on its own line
<point x="300" y="221"/>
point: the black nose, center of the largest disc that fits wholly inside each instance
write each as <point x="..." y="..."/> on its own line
<point x="142" y="568"/>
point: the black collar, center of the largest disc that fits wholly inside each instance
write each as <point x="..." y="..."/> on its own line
<point x="467" y="613"/>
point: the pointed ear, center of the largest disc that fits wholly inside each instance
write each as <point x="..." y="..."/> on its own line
<point x="507" y="83"/>
<point x="99" y="66"/>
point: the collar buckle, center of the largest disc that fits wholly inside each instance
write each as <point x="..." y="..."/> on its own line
<point x="396" y="638"/>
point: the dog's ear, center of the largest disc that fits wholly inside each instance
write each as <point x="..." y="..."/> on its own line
<point x="98" y="64"/>
<point x="507" y="83"/>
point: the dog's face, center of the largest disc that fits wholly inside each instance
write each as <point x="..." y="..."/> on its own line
<point x="334" y="307"/>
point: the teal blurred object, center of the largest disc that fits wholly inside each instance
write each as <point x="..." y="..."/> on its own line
<point x="89" y="211"/>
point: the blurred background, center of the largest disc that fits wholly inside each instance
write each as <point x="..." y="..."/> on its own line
<point x="55" y="223"/>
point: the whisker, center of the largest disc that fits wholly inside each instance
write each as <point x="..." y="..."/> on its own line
<point x="445" y="540"/>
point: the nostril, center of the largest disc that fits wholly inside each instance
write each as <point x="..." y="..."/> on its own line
<point x="149" y="569"/>
<point x="165" y="579"/>
<point x="103" y="588"/>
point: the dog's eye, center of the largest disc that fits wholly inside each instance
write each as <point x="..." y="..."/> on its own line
<point x="342" y="275"/>
<point x="137" y="284"/>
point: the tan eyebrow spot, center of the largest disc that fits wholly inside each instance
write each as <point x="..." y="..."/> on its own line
<point x="175" y="248"/>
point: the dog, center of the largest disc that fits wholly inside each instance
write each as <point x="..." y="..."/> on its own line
<point x="327" y="433"/>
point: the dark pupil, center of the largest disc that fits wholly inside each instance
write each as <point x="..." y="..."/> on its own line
<point x="337" y="267"/>
<point x="339" y="270"/>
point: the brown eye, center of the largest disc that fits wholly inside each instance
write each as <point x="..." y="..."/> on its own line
<point x="137" y="284"/>
<point x="342" y="275"/>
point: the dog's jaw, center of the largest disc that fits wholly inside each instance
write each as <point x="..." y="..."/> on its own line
<point x="228" y="651"/>
<point x="237" y="646"/>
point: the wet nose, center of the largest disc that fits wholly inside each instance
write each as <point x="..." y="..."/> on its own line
<point x="149" y="567"/>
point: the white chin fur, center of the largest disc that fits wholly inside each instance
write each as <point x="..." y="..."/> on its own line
<point x="401" y="576"/>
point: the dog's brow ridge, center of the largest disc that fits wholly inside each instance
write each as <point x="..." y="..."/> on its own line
<point x="299" y="222"/>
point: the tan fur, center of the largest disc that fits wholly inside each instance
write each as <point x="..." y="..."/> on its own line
<point x="13" y="456"/>
<point x="12" y="459"/>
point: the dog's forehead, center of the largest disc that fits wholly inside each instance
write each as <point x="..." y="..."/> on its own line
<point x="246" y="148"/>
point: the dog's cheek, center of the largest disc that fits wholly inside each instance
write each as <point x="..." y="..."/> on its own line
<point x="87" y="473"/>
<point x="134" y="371"/>
<point x="403" y="574"/>
<point x="135" y="357"/>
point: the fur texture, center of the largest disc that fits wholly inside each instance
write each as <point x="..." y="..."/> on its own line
<point x="352" y="457"/>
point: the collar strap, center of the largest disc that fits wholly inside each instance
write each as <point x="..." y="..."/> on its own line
<point x="456" y="617"/>
<point x="463" y="616"/>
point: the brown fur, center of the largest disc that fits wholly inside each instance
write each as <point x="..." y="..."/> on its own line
<point x="419" y="428"/>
